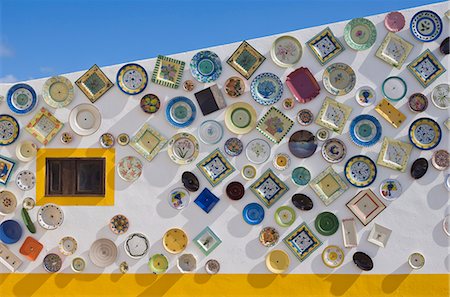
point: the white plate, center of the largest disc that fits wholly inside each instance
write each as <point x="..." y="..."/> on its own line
<point x="85" y="119"/>
<point x="68" y="245"/>
<point x="50" y="216"/>
<point x="8" y="202"/>
<point x="103" y="252"/>
<point x="257" y="151"/>
<point x="137" y="245"/>
<point x="25" y="180"/>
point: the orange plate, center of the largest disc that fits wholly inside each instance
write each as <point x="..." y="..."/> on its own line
<point x="31" y="248"/>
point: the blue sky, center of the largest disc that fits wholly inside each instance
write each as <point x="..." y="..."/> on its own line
<point x="40" y="38"/>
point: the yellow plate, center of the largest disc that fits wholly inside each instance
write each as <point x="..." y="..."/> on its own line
<point x="240" y="118"/>
<point x="277" y="261"/>
<point x="175" y="241"/>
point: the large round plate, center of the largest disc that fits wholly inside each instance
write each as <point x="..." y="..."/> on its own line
<point x="179" y="198"/>
<point x="286" y="51"/>
<point x="10" y="231"/>
<point x="394" y="88"/>
<point x="58" y="91"/>
<point x="21" y="98"/>
<point x="266" y="88"/>
<point x="50" y="216"/>
<point x="277" y="261"/>
<point x="365" y="130"/>
<point x="253" y="213"/>
<point x="129" y="168"/>
<point x="333" y="256"/>
<point x="137" y="245"/>
<point x="441" y="96"/>
<point x="175" y="240"/>
<point x="180" y="112"/>
<point x="426" y="26"/>
<point x="103" y="252"/>
<point x="132" y="79"/>
<point x="240" y="118"/>
<point x="360" y="171"/>
<point x="25" y="180"/>
<point x="339" y="79"/>
<point x="206" y="66"/>
<point x="326" y="223"/>
<point x="285" y="216"/>
<point x="257" y="151"/>
<point x="183" y="148"/>
<point x="9" y="129"/>
<point x="210" y="132"/>
<point x="425" y="133"/>
<point x="302" y="144"/>
<point x="85" y="119"/>
<point x="334" y="150"/>
<point x="360" y="34"/>
<point x="8" y="202"/>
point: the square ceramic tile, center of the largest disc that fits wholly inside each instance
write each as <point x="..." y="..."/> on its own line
<point x="391" y="114"/>
<point x="379" y="235"/>
<point x="426" y="68"/>
<point x="246" y="60"/>
<point x="215" y="167"/>
<point x="328" y="185"/>
<point x="333" y="115"/>
<point x="168" y="72"/>
<point x="325" y="46"/>
<point x="394" y="50"/>
<point x="6" y="168"/>
<point x="274" y="125"/>
<point x="206" y="200"/>
<point x="94" y="83"/>
<point x="44" y="126"/>
<point x="269" y="188"/>
<point x="302" y="241"/>
<point x="148" y="142"/>
<point x="366" y="206"/>
<point x="207" y="241"/>
<point x="394" y="154"/>
<point x="210" y="100"/>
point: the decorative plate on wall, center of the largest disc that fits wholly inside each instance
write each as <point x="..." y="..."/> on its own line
<point x="269" y="188"/>
<point x="418" y="102"/>
<point x="300" y="176"/>
<point x="136" y="245"/>
<point x="148" y="142"/>
<point x="333" y="115"/>
<point x="325" y="46"/>
<point x="210" y="100"/>
<point x="426" y="26"/>
<point x="366" y="206"/>
<point x="210" y="132"/>
<point x="274" y="125"/>
<point x="44" y="126"/>
<point x="390" y="189"/>
<point x="328" y="185"/>
<point x="285" y="216"/>
<point x="206" y="66"/>
<point x="426" y="68"/>
<point x="360" y="171"/>
<point x="360" y="34"/>
<point x="379" y="235"/>
<point x="207" y="241"/>
<point x="394" y="50"/>
<point x="183" y="148"/>
<point x="58" y="91"/>
<point x="132" y="79"/>
<point x="21" y="98"/>
<point x="50" y="216"/>
<point x="206" y="200"/>
<point x="129" y="168"/>
<point x="441" y="96"/>
<point x="258" y="151"/>
<point x="394" y="88"/>
<point x="85" y="119"/>
<point x="150" y="103"/>
<point x="103" y="252"/>
<point x="266" y="88"/>
<point x="302" y="242"/>
<point x="334" y="150"/>
<point x="234" y="86"/>
<point x="179" y="198"/>
<point x="253" y="213"/>
<point x="333" y="256"/>
<point x="394" y="154"/>
<point x="180" y="112"/>
<point x="302" y="144"/>
<point x="9" y="129"/>
<point x="425" y="133"/>
<point x="339" y="79"/>
<point x="365" y="130"/>
<point x="240" y="118"/>
<point x="168" y="72"/>
<point x="119" y="224"/>
<point x="215" y="167"/>
<point x="175" y="240"/>
<point x="94" y="83"/>
<point x="286" y="51"/>
<point x="245" y="60"/>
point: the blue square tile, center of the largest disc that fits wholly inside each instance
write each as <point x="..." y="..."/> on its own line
<point x="206" y="200"/>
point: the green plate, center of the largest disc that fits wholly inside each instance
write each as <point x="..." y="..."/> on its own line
<point x="285" y="216"/>
<point x="360" y="34"/>
<point x="301" y="176"/>
<point x="326" y="223"/>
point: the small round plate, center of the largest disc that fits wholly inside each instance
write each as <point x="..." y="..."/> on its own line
<point x="10" y="231"/>
<point x="441" y="96"/>
<point x="416" y="260"/>
<point x="266" y="88"/>
<point x="300" y="176"/>
<point x="8" y="202"/>
<point x="25" y="180"/>
<point x="365" y="96"/>
<point x="136" y="246"/>
<point x="50" y="216"/>
<point x="52" y="263"/>
<point x="440" y="160"/>
<point x="365" y="130"/>
<point x="188" y="85"/>
<point x="240" y="118"/>
<point x="394" y="21"/>
<point x="78" y="264"/>
<point x="333" y="256"/>
<point x="103" y="252"/>
<point x="286" y="51"/>
<point x="85" y="119"/>
<point x="190" y="181"/>
<point x="334" y="150"/>
<point x="129" y="168"/>
<point x="132" y="79"/>
<point x="426" y="26"/>
<point x="68" y="245"/>
<point x="9" y="129"/>
<point x="360" y="34"/>
<point x="394" y="88"/>
<point x="179" y="198"/>
<point x="233" y="147"/>
<point x="123" y="267"/>
<point x="302" y="144"/>
<point x="186" y="263"/>
<point x="58" y="91"/>
<point x="390" y="189"/>
<point x="183" y="148"/>
<point x="302" y="202"/>
<point x="234" y="87"/>
<point x="119" y="224"/>
<point x="210" y="132"/>
<point x="212" y="266"/>
<point x="322" y="134"/>
<point x="66" y="137"/>
<point x="150" y="103"/>
<point x="235" y="190"/>
<point x="26" y="151"/>
<point x="107" y="140"/>
<point x="281" y="161"/>
<point x="248" y="172"/>
<point x="363" y="261"/>
<point x="305" y="117"/>
<point x="253" y="213"/>
<point x="21" y="99"/>
<point x="123" y="139"/>
<point x="360" y="171"/>
<point x="446" y="225"/>
<point x="206" y="66"/>
<point x="158" y="263"/>
<point x="418" y="102"/>
<point x="288" y="103"/>
<point x="277" y="261"/>
<point x="175" y="240"/>
<point x="258" y="151"/>
<point x="285" y="216"/>
<point x="180" y="112"/>
<point x="269" y="236"/>
<point x="28" y="203"/>
<point x="339" y="79"/>
<point x="326" y="223"/>
<point x="425" y="133"/>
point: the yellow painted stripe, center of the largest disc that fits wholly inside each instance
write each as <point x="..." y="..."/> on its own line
<point x="199" y="285"/>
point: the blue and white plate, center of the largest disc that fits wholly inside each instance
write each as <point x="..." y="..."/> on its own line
<point x="266" y="88"/>
<point x="426" y="26"/>
<point x="9" y="129"/>
<point x="180" y="112"/>
<point x="425" y="133"/>
<point x="132" y="79"/>
<point x="21" y="98"/>
<point x="360" y="171"/>
<point x="365" y="130"/>
<point x="253" y="213"/>
<point x="206" y="66"/>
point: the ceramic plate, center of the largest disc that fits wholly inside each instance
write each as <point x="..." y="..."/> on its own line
<point x="339" y="79"/>
<point x="26" y="151"/>
<point x="446" y="225"/>
<point x="301" y="176"/>
<point x="85" y="119"/>
<point x="360" y="34"/>
<point x="274" y="125"/>
<point x="390" y="189"/>
<point x="365" y="130"/>
<point x="240" y="118"/>
<point x="150" y="103"/>
<point x="257" y="151"/>
<point x="328" y="185"/>
<point x="215" y="167"/>
<point x="246" y="60"/>
<point x="119" y="224"/>
<point x="180" y="112"/>
<point x="58" y="91"/>
<point x="175" y="240"/>
<point x="248" y="172"/>
<point x="360" y="171"/>
<point x="207" y="241"/>
<point x="148" y="142"/>
<point x="94" y="83"/>
<point x="158" y="263"/>
<point x="418" y="102"/>
<point x="234" y="86"/>
<point x="136" y="245"/>
<point x="183" y="148"/>
<point x="6" y="168"/>
<point x="285" y="216"/>
<point x="365" y="96"/>
<point x="206" y="200"/>
<point x="366" y="206"/>
<point x="168" y="72"/>
<point x="210" y="132"/>
<point x="326" y="223"/>
<point x="425" y="133"/>
<point x="333" y="115"/>
<point x="50" y="216"/>
<point x="379" y="235"/>
<point x="132" y="79"/>
<point x="266" y="88"/>
<point x="206" y="66"/>
<point x="302" y="144"/>
<point x="302" y="242"/>
<point x="52" y="263"/>
<point x="334" y="150"/>
<point x="286" y="51"/>
<point x="277" y="261"/>
<point x="179" y="198"/>
<point x="129" y="168"/>
<point x="394" y="154"/>
<point x="8" y="202"/>
<point x="333" y="256"/>
<point x="25" y="180"/>
<point x="426" y="26"/>
<point x="394" y="88"/>
<point x="21" y="99"/>
<point x="394" y="50"/>
<point x="9" y="129"/>
<point x="269" y="188"/>
<point x="325" y="46"/>
<point x="426" y="68"/>
<point x="44" y="126"/>
<point x="268" y="236"/>
<point x="441" y="96"/>
<point x="186" y="263"/>
<point x="68" y="245"/>
<point x="103" y="252"/>
<point x="253" y="213"/>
